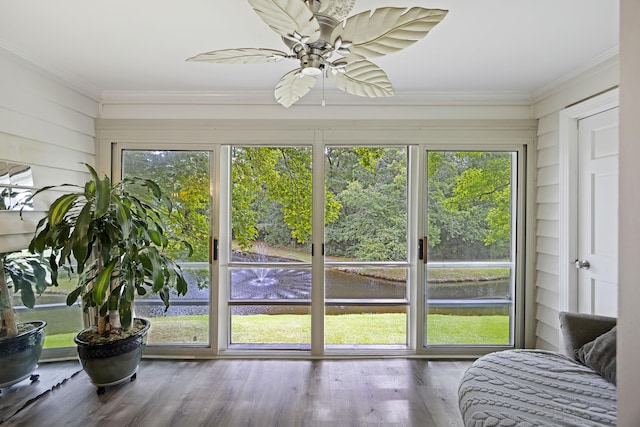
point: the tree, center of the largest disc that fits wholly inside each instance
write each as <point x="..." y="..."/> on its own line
<point x="274" y="182"/>
<point x="371" y="186"/>
<point x="272" y="198"/>
<point x="184" y="176"/>
<point x="469" y="204"/>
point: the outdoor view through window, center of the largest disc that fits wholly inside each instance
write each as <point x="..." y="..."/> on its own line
<point x="470" y="257"/>
<point x="468" y="229"/>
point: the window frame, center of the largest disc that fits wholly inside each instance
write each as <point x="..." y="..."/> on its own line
<point x="519" y="245"/>
<point x="113" y="134"/>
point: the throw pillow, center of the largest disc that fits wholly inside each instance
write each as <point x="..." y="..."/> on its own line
<point x="600" y="355"/>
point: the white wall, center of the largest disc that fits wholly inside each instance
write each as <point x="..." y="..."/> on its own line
<point x="547" y="107"/>
<point x="46" y="124"/>
<point x="629" y="244"/>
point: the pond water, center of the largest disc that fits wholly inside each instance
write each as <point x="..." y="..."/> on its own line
<point x="295" y="283"/>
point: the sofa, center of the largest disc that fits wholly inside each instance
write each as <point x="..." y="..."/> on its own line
<point x="575" y="387"/>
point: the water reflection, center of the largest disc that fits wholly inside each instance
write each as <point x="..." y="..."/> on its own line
<point x="270" y="283"/>
<point x="294" y="283"/>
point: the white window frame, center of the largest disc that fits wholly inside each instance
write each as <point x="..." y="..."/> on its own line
<point x="519" y="221"/>
<point x="214" y="135"/>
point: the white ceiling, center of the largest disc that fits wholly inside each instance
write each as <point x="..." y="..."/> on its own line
<point x="514" y="46"/>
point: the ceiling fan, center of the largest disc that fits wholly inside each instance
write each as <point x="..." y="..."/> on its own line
<point x="319" y="36"/>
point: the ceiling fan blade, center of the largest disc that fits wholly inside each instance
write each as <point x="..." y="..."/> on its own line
<point x="387" y="30"/>
<point x="362" y="78"/>
<point x="293" y="86"/>
<point x="287" y="17"/>
<point x="240" y="56"/>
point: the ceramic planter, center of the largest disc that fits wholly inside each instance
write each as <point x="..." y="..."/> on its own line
<point x="19" y="356"/>
<point x="114" y="362"/>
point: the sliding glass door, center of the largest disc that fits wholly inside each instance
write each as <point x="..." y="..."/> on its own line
<point x="366" y="258"/>
<point x="469" y="247"/>
<point x="262" y="279"/>
<point x="365" y="250"/>
<point x="269" y="274"/>
<point x="185" y="177"/>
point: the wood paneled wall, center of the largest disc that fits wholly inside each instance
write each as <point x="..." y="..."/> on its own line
<point x="547" y="109"/>
<point x="48" y="125"/>
<point x="547" y="234"/>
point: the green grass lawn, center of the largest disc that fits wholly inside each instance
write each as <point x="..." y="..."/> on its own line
<point x="59" y="340"/>
<point x="383" y="328"/>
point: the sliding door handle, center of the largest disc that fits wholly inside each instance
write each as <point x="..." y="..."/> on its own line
<point x="213" y="249"/>
<point x="422" y="249"/>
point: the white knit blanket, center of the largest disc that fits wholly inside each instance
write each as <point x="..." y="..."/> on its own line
<point x="534" y="388"/>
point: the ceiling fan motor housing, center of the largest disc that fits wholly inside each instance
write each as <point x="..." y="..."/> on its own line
<point x="311" y="54"/>
<point x="327" y="24"/>
<point x="311" y="64"/>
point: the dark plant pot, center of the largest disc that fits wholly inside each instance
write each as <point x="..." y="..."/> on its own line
<point x="19" y="356"/>
<point x="114" y="362"/>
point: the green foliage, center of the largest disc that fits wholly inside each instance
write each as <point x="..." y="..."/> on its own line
<point x="29" y="276"/>
<point x="184" y="177"/>
<point x="271" y="195"/>
<point x="469" y="196"/>
<point x="369" y="157"/>
<point x="115" y="241"/>
<point x="365" y="200"/>
<point x="372" y="224"/>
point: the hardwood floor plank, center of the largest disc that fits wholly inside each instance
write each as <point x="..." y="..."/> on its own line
<point x="350" y="392"/>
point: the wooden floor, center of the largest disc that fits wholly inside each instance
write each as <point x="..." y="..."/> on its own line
<point x="363" y="392"/>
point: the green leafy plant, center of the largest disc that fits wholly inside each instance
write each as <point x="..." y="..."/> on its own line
<point x="115" y="241"/>
<point x="29" y="277"/>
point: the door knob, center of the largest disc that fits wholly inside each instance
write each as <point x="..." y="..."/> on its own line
<point x="582" y="264"/>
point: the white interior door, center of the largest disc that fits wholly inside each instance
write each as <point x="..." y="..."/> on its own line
<point x="597" y="261"/>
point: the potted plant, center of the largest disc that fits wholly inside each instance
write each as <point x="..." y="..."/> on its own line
<point x="113" y="237"/>
<point x="20" y="343"/>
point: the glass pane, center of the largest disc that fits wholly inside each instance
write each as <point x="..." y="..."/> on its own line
<point x="5" y="198"/>
<point x="271" y="249"/>
<point x="20" y="174"/>
<point x="365" y="233"/>
<point x="470" y="211"/>
<point x="14" y="176"/>
<point x="366" y="204"/>
<point x="185" y="177"/>
<point x="274" y="326"/>
<point x="271" y="204"/>
<point x="469" y="325"/>
<point x="15" y="199"/>
<point x="269" y="283"/>
<point x="4" y="173"/>
<point x="366" y="282"/>
<point x="63" y="322"/>
<point x="366" y="325"/>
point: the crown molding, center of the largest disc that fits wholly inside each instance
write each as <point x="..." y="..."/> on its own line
<point x="335" y="98"/>
<point x="66" y="79"/>
<point x="606" y="59"/>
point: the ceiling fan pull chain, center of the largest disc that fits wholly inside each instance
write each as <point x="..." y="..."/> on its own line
<point x="323" y="76"/>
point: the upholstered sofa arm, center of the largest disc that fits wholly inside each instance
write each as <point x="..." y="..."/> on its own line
<point x="579" y="328"/>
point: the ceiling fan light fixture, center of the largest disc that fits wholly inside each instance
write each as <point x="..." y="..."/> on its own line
<point x="321" y="37"/>
<point x="311" y="65"/>
<point x="311" y="71"/>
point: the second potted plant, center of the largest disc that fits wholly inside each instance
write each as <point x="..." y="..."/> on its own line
<point x="113" y="237"/>
<point x="20" y="343"/>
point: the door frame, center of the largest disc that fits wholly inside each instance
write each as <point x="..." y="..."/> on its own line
<point x="110" y="160"/>
<point x="568" y="192"/>
<point x="521" y="311"/>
